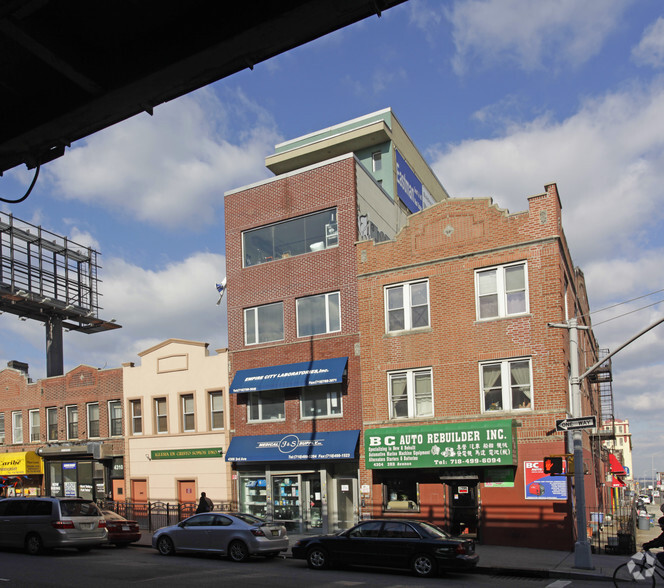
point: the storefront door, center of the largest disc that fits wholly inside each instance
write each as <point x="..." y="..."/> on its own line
<point x="286" y="493"/>
<point x="345" y="502"/>
<point x="312" y="501"/>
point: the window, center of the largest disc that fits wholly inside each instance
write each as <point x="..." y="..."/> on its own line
<point x="136" y="417"/>
<point x="411" y="394"/>
<point x="2" y="428"/>
<point x="407" y="306"/>
<point x="506" y="385"/>
<point x="115" y="418"/>
<point x="52" y="424"/>
<point x="376" y="161"/>
<point x="35" y="429"/>
<point x="401" y="493"/>
<point x="266" y="406"/>
<point x="320" y="401"/>
<point x="17" y="427"/>
<point x="72" y="422"/>
<point x="160" y="415"/>
<point x="263" y="324"/>
<point x="93" y="419"/>
<point x="501" y="291"/>
<point x="216" y="410"/>
<point x="318" y="314"/>
<point x="188" y="423"/>
<point x="296" y="236"/>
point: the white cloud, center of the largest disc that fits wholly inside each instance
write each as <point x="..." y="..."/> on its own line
<point x="650" y="50"/>
<point x="530" y="34"/>
<point x="173" y="168"/>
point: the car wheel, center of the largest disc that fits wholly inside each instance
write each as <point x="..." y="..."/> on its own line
<point x="424" y="565"/>
<point x="165" y="546"/>
<point x="317" y="559"/>
<point x="34" y="544"/>
<point x="238" y="551"/>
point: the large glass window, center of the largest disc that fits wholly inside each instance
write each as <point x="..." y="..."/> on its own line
<point x="188" y="421"/>
<point x="266" y="406"/>
<point x="321" y="401"/>
<point x="296" y="236"/>
<point x="263" y="324"/>
<point x="318" y="314"/>
<point x="401" y="493"/>
<point x="93" y="419"/>
<point x="506" y="385"/>
<point x="72" y="421"/>
<point x="411" y="394"/>
<point x="501" y="291"/>
<point x="216" y="410"/>
<point x="160" y="415"/>
<point x="407" y="306"/>
<point x="136" y="417"/>
<point x="115" y="418"/>
<point x="17" y="427"/>
<point x="52" y="423"/>
<point x="35" y="426"/>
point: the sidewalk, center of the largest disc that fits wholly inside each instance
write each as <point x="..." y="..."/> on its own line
<point x="541" y="563"/>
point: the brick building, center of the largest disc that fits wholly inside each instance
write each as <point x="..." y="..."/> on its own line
<point x="294" y="335"/>
<point x="63" y="435"/>
<point x="463" y="376"/>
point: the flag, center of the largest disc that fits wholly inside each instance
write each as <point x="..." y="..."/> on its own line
<point x="221" y="288"/>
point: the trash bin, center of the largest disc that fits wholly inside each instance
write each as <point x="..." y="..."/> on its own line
<point x="644" y="523"/>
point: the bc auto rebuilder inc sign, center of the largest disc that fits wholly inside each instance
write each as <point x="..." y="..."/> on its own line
<point x="482" y="443"/>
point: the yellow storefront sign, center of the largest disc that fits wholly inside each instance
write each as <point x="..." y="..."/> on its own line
<point x="24" y="463"/>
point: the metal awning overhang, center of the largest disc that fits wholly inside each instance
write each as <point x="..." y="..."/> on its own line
<point x="22" y="463"/>
<point x="332" y="445"/>
<point x="292" y="375"/>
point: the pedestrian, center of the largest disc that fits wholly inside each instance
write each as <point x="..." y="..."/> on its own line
<point x="204" y="504"/>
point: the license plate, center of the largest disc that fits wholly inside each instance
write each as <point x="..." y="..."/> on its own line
<point x="125" y="528"/>
<point x="275" y="533"/>
<point x="86" y="525"/>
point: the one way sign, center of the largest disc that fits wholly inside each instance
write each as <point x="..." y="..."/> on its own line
<point x="589" y="422"/>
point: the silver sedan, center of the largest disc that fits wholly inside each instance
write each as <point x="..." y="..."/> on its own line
<point x="236" y="535"/>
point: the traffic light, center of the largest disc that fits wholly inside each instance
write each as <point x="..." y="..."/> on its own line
<point x="553" y="465"/>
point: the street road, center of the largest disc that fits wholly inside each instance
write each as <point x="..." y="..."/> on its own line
<point x="145" y="568"/>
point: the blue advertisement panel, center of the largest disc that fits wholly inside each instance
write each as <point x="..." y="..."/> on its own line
<point x="541" y="486"/>
<point x="409" y="188"/>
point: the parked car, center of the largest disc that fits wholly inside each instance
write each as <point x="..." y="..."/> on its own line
<point x="645" y="498"/>
<point x="121" y="532"/>
<point x="35" y="524"/>
<point x="390" y="543"/>
<point x="237" y="535"/>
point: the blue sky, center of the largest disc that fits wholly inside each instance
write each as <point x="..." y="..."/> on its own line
<point x="501" y="96"/>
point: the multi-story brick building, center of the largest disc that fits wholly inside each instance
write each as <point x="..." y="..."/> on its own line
<point x="464" y="374"/>
<point x="63" y="435"/>
<point x="294" y="341"/>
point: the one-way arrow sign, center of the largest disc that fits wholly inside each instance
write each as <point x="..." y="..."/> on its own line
<point x="589" y="422"/>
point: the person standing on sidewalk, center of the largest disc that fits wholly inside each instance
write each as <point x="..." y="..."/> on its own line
<point x="204" y="504"/>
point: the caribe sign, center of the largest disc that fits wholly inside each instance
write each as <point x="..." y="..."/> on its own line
<point x="447" y="445"/>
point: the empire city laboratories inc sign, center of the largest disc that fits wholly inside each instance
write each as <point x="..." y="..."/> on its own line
<point x="482" y="443"/>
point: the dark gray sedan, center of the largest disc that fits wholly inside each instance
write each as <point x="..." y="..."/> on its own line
<point x="390" y="543"/>
<point x="237" y="535"/>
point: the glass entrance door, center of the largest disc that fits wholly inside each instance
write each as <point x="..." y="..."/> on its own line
<point x="286" y="501"/>
<point x="312" y="503"/>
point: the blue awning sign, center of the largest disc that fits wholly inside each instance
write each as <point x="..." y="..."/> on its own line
<point x="291" y="375"/>
<point x="294" y="446"/>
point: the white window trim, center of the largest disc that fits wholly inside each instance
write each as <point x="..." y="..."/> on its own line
<point x="112" y="403"/>
<point x="31" y="414"/>
<point x="327" y="296"/>
<point x="50" y="410"/>
<point x="134" y="417"/>
<point x="501" y="292"/>
<point x="261" y="419"/>
<point x="410" y="387"/>
<point x="157" y="414"/>
<point x="407" y="307"/>
<point x="211" y="396"/>
<point x="67" y="410"/>
<point x="183" y="398"/>
<point x="329" y="414"/>
<point x="506" y="384"/>
<point x="16" y="438"/>
<point x="254" y="309"/>
<point x="88" y="406"/>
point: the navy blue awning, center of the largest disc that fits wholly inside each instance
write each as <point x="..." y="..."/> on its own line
<point x="291" y="375"/>
<point x="294" y="447"/>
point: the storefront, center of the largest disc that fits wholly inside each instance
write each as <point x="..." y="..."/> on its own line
<point x="436" y="470"/>
<point x="21" y="474"/>
<point x="307" y="481"/>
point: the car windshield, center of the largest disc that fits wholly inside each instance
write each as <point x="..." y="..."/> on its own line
<point x="434" y="531"/>
<point x="78" y="508"/>
<point x="112" y="516"/>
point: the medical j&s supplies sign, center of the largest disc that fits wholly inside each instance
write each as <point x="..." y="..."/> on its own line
<point x="449" y="445"/>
